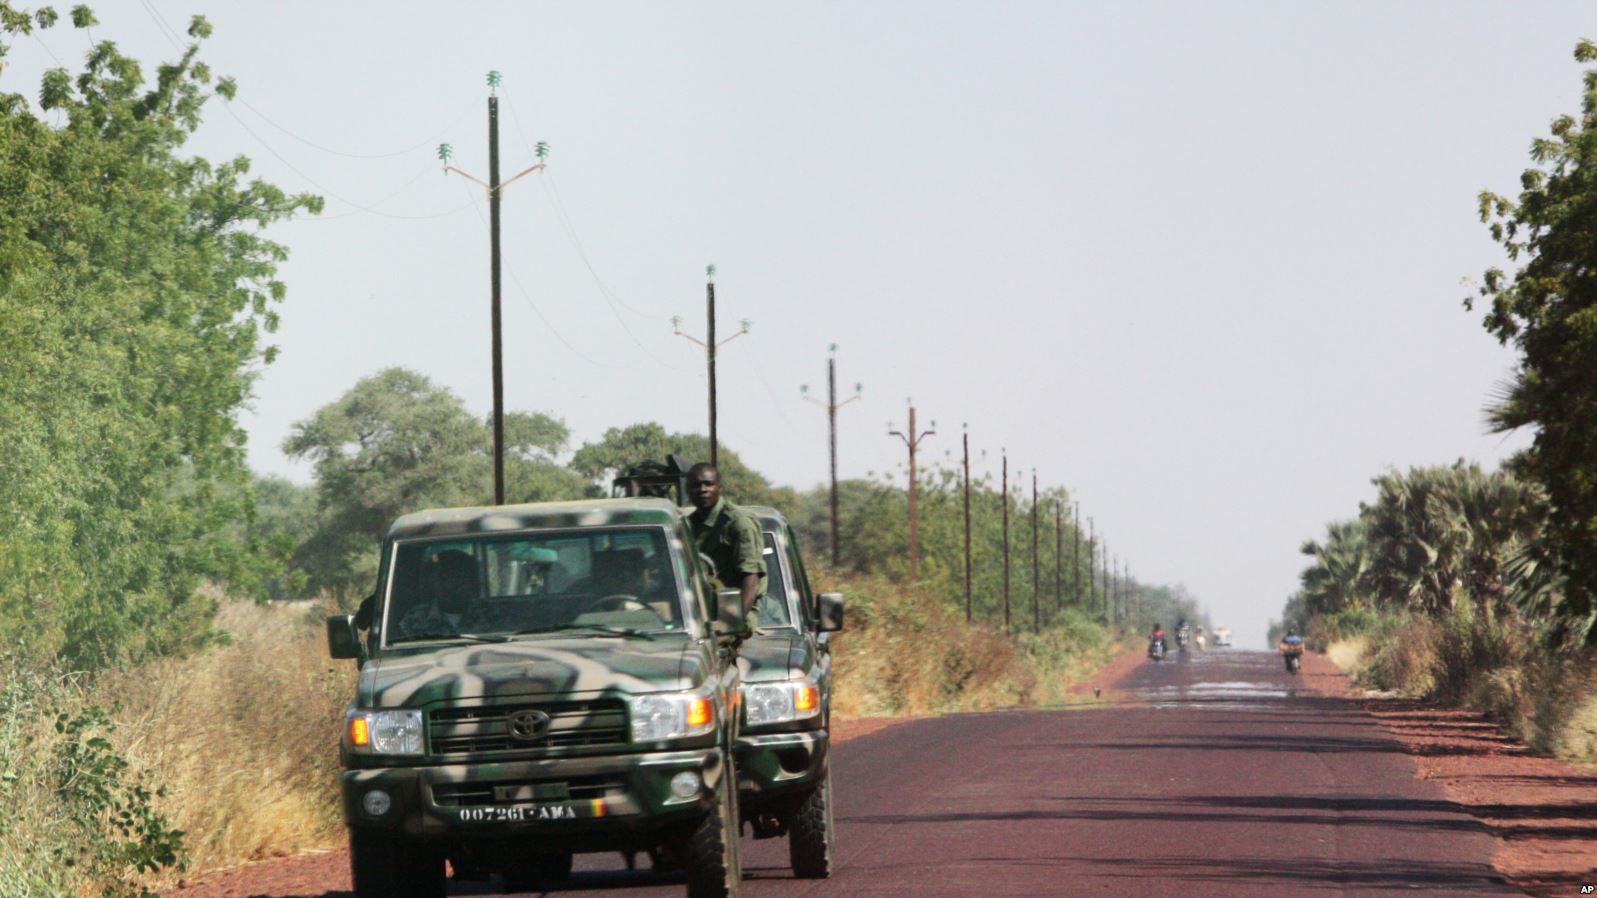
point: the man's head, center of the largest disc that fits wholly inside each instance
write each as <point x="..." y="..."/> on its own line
<point x="704" y="486"/>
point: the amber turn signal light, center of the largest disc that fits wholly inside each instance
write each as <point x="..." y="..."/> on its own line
<point x="700" y="712"/>
<point x="808" y="698"/>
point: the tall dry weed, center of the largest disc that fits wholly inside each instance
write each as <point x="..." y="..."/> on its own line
<point x="905" y="652"/>
<point x="245" y="736"/>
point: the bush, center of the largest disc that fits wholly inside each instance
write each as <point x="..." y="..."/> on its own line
<point x="80" y="817"/>
<point x="907" y="652"/>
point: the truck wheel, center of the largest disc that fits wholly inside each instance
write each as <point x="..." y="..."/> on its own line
<point x="384" y="867"/>
<point x="711" y="851"/>
<point x="809" y="833"/>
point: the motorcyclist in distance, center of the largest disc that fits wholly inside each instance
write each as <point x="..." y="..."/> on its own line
<point x="1292" y="647"/>
<point x="1156" y="637"/>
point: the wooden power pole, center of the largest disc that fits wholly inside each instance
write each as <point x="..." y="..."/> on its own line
<point x="832" y="405"/>
<point x="711" y="348"/>
<point x="912" y="441"/>
<point x="1036" y="568"/>
<point x="1007" y="627"/>
<point x="965" y="439"/>
<point x="495" y="188"/>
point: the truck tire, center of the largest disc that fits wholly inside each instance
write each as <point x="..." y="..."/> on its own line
<point x="710" y="854"/>
<point x="383" y="867"/>
<point x="810" y="832"/>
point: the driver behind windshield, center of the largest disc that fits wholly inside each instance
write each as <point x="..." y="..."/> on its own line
<point x="451" y="599"/>
<point x="627" y="580"/>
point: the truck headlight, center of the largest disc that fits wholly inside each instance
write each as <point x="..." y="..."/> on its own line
<point x="780" y="702"/>
<point x="671" y="715"/>
<point x="386" y="732"/>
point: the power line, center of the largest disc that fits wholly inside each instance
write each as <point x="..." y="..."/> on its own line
<point x="314" y="183"/>
<point x="527" y="297"/>
<point x="553" y="190"/>
<point x="603" y="290"/>
<point x="329" y="150"/>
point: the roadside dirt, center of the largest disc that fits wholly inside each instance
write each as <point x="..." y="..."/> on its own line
<point x="1542" y="811"/>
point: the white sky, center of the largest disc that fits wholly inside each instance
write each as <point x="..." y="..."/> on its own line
<point x="1200" y="263"/>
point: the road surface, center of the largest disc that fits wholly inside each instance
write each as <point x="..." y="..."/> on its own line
<point x="1215" y="774"/>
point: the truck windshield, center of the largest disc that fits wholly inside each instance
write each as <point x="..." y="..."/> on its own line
<point x="525" y="582"/>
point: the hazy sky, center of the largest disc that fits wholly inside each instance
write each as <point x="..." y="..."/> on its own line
<point x="1200" y="263"/>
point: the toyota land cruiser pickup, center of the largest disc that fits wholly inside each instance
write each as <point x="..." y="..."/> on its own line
<point x="538" y="681"/>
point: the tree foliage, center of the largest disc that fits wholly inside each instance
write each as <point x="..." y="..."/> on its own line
<point x="1432" y="538"/>
<point x="623" y="446"/>
<point x="396" y="443"/>
<point x="136" y="292"/>
<point x="1546" y="308"/>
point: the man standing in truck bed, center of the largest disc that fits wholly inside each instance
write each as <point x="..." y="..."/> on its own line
<point x="729" y="536"/>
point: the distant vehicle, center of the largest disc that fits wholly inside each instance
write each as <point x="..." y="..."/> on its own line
<point x="1222" y="636"/>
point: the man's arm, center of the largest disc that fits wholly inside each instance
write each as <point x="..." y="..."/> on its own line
<point x="750" y="584"/>
<point x="750" y="560"/>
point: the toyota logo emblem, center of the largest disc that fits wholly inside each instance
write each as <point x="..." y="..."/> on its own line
<point x="527" y="726"/>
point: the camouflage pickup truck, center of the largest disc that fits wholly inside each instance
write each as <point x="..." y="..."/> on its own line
<point x="539" y="681"/>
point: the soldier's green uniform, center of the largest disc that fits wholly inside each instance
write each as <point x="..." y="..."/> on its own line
<point x="731" y="538"/>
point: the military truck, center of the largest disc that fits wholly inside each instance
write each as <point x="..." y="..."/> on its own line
<point x="539" y="681"/>
<point x="784" y="781"/>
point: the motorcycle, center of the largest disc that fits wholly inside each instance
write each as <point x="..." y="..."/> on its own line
<point x="1182" y="636"/>
<point x="1156" y="649"/>
<point x="1292" y="653"/>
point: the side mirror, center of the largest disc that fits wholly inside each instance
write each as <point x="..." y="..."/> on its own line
<point x="343" y="640"/>
<point x="728" y="613"/>
<point x="363" y="614"/>
<point x="830" y="612"/>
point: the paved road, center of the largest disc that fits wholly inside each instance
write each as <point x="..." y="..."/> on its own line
<point x="1216" y="778"/>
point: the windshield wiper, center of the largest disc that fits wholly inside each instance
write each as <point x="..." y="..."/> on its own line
<point x="473" y="637"/>
<point x="597" y="628"/>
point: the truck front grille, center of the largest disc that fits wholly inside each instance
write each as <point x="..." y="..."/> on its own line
<point x="507" y="792"/>
<point x="461" y="730"/>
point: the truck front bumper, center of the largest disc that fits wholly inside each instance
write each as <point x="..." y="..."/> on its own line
<point x="582" y="803"/>
<point x="778" y="764"/>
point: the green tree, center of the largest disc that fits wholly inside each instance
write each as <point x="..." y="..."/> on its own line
<point x="621" y="447"/>
<point x="1546" y="308"/>
<point x="397" y="443"/>
<point x="1336" y="580"/>
<point x="136" y="291"/>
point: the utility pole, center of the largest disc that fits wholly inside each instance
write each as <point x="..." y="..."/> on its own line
<point x="711" y="347"/>
<point x="1075" y="557"/>
<point x="832" y="405"/>
<point x="1036" y="570"/>
<point x="913" y="441"/>
<point x="1059" y="554"/>
<point x="1114" y="591"/>
<point x="1007" y="627"/>
<point x="965" y="439"/>
<point x="1092" y="564"/>
<point x="1108" y="585"/>
<point x="495" y="188"/>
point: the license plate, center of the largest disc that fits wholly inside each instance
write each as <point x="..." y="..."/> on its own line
<point x="535" y="813"/>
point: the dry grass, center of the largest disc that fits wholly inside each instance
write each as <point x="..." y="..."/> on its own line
<point x="1498" y="664"/>
<point x="245" y="737"/>
<point x="1349" y="654"/>
<point x="905" y="652"/>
